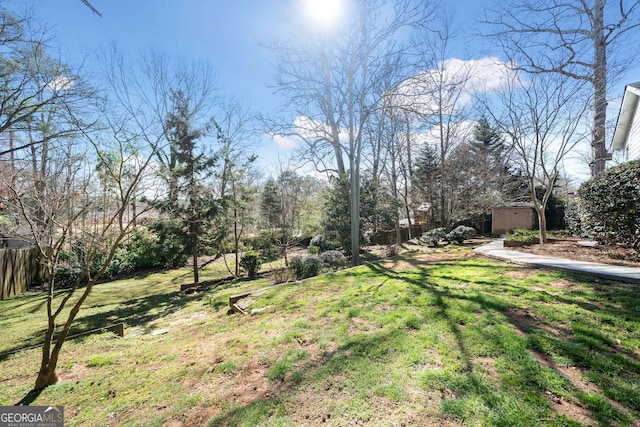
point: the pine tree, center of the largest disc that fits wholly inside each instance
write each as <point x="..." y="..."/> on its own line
<point x="192" y="204"/>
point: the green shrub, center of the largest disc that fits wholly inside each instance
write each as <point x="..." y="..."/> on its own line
<point x="171" y="250"/>
<point x="333" y="259"/>
<point x="71" y="265"/>
<point x="523" y="235"/>
<point x="432" y="237"/>
<point x="251" y="263"/>
<point x="314" y="250"/>
<point x="460" y="234"/>
<point x="610" y="205"/>
<point x="305" y="266"/>
<point x="321" y="243"/>
<point x="138" y="253"/>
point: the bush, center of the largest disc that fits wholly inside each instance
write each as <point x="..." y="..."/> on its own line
<point x="314" y="250"/>
<point x="523" y="235"/>
<point x="305" y="266"/>
<point x="138" y="253"/>
<point x="71" y="265"/>
<point x="432" y="237"/>
<point x="610" y="205"/>
<point x="171" y="250"/>
<point x="460" y="234"/>
<point x="573" y="218"/>
<point x="333" y="259"/>
<point x="282" y="275"/>
<point x="321" y="243"/>
<point x="264" y="240"/>
<point x="251" y="263"/>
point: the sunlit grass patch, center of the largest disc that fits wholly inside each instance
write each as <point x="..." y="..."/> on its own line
<point x="415" y="340"/>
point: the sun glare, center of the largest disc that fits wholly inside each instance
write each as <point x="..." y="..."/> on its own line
<point x="324" y="13"/>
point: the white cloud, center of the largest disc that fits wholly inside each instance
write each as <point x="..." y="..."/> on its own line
<point x="59" y="83"/>
<point x="459" y="132"/>
<point x="285" y="142"/>
<point x="303" y="128"/>
<point x="452" y="85"/>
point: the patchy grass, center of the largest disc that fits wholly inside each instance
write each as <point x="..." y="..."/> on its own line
<point x="433" y="337"/>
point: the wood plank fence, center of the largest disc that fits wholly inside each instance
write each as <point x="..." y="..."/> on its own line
<point x="19" y="269"/>
<point x="389" y="237"/>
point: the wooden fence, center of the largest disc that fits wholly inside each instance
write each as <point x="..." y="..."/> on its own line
<point x="389" y="237"/>
<point x="19" y="269"/>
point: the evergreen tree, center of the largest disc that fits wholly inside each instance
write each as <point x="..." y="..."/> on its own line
<point x="426" y="178"/>
<point x="271" y="204"/>
<point x="192" y="205"/>
<point x="336" y="220"/>
<point x="378" y="207"/>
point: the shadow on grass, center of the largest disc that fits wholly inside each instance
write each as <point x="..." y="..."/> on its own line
<point x="29" y="398"/>
<point x="136" y="312"/>
<point x="612" y="373"/>
<point x="526" y="352"/>
<point x="248" y="415"/>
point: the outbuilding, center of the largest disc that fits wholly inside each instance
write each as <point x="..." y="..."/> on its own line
<point x="506" y="218"/>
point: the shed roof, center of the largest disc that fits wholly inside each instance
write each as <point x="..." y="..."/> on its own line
<point x="625" y="117"/>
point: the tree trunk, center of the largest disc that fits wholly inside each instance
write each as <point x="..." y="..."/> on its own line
<point x="355" y="214"/>
<point x="542" y="224"/>
<point x="235" y="241"/>
<point x="598" y="143"/>
<point x="47" y="374"/>
<point x="196" y="274"/>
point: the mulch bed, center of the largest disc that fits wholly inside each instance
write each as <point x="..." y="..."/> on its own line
<point x="569" y="248"/>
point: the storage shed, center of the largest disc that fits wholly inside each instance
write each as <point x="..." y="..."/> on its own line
<point x="506" y="218"/>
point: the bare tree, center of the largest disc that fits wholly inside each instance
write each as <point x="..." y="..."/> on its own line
<point x="581" y="40"/>
<point x="33" y="82"/>
<point x="542" y="117"/>
<point x="99" y="239"/>
<point x="143" y="92"/>
<point x="334" y="81"/>
<point x="438" y="98"/>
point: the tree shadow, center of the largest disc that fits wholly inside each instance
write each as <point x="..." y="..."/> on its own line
<point x="138" y="312"/>
<point x="29" y="398"/>
<point x="609" y="370"/>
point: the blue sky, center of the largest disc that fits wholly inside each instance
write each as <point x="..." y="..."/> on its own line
<point x="228" y="33"/>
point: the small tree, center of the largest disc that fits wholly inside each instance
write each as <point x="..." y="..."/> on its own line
<point x="541" y="117"/>
<point x="336" y="219"/>
<point x="250" y="262"/>
<point x="96" y="242"/>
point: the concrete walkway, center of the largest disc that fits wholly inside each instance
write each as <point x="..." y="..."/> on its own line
<point x="496" y="249"/>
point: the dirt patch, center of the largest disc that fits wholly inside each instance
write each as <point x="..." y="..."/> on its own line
<point x="524" y="320"/>
<point x="570" y="249"/>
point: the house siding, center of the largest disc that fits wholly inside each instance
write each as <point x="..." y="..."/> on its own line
<point x="633" y="139"/>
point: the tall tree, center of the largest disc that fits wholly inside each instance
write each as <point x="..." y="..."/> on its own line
<point x="437" y="102"/>
<point x="35" y="86"/>
<point x="334" y="81"/>
<point x="271" y="205"/>
<point x="192" y="203"/>
<point x="581" y="40"/>
<point x="143" y="91"/>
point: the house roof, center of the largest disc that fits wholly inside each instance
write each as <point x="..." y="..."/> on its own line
<point x="625" y="117"/>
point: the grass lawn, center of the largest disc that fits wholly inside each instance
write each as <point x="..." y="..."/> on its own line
<point x="437" y="337"/>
